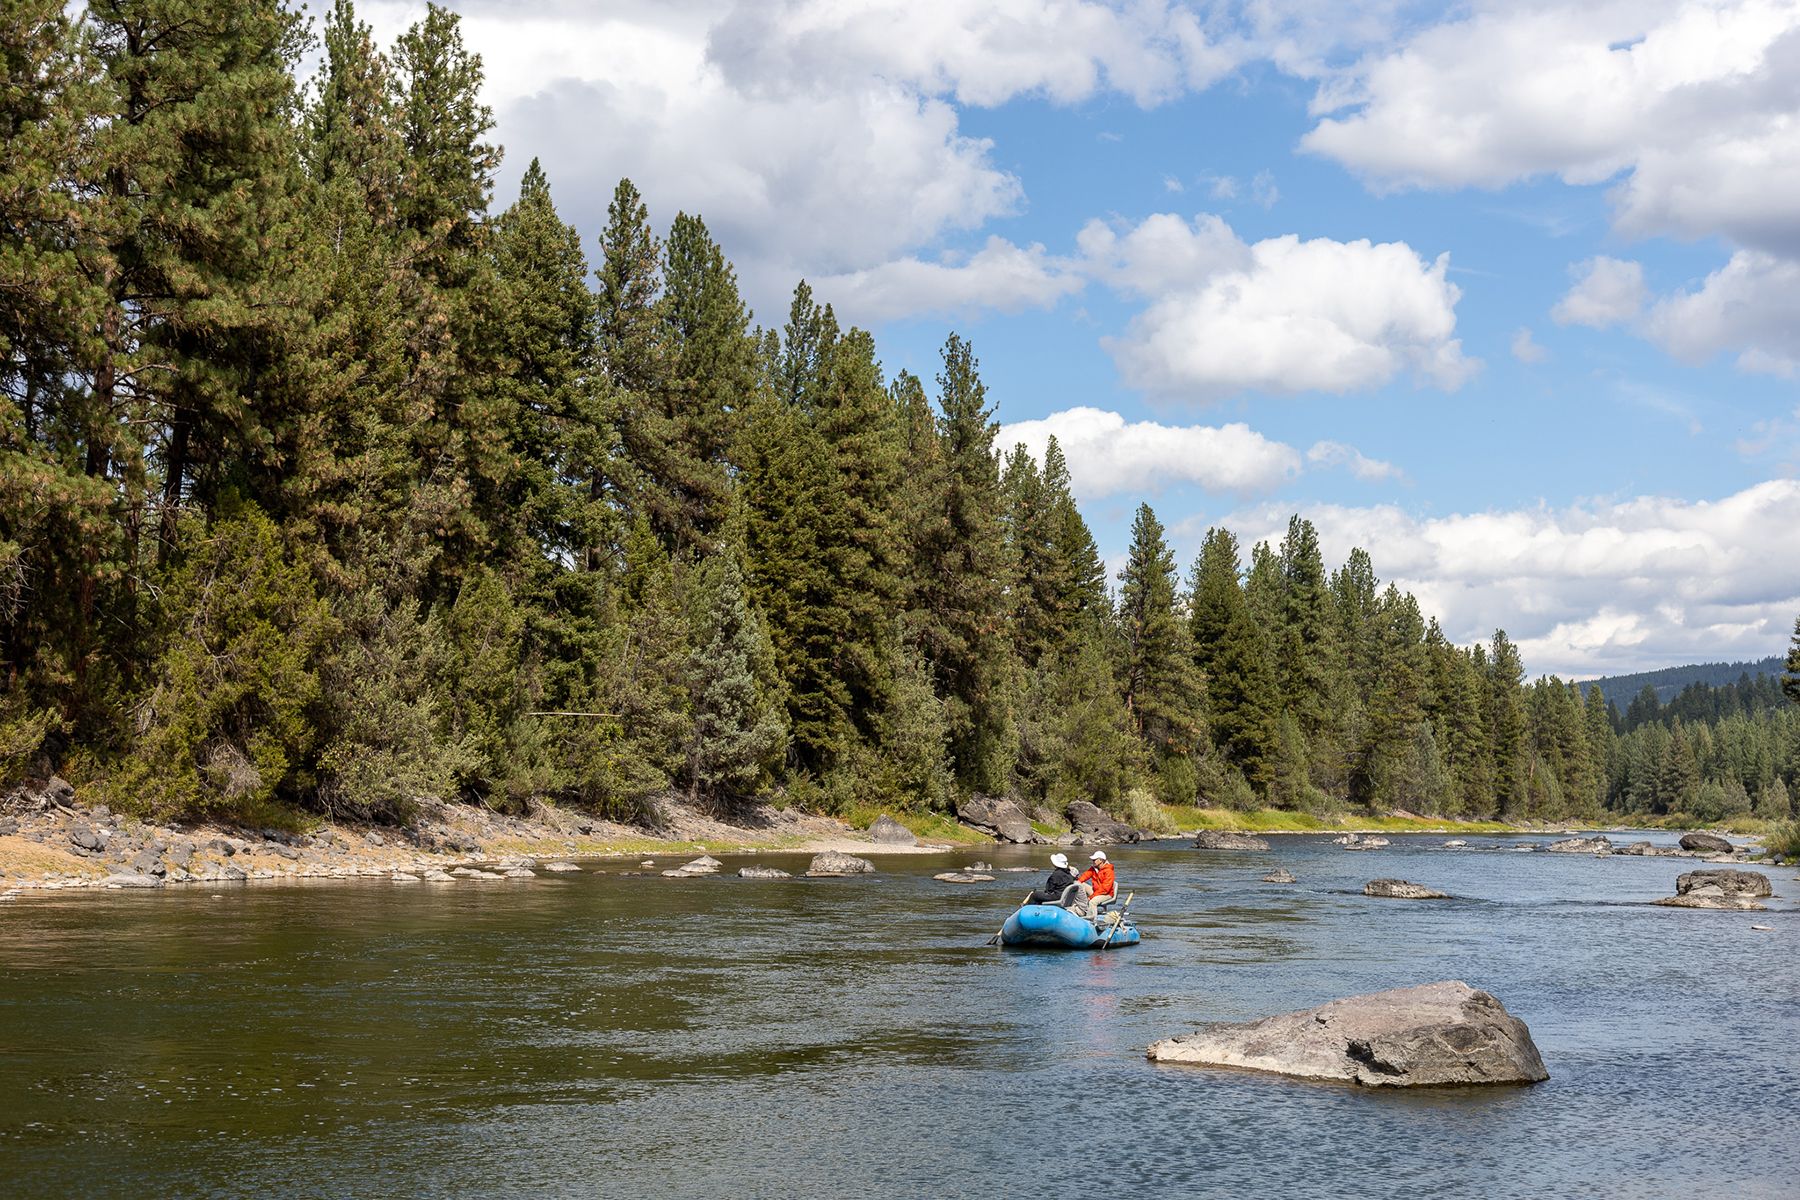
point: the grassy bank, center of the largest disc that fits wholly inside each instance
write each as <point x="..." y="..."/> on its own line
<point x="1269" y="820"/>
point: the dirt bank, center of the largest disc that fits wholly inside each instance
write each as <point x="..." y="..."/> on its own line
<point x="51" y="841"/>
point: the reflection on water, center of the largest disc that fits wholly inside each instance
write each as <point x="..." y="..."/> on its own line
<point x="619" y="1036"/>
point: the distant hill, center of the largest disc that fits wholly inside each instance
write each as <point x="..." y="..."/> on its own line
<point x="1669" y="681"/>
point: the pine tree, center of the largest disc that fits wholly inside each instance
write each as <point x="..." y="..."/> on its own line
<point x="1232" y="654"/>
<point x="1160" y="687"/>
<point x="736" y="734"/>
<point x="1679" y="779"/>
<point x="1508" y="724"/>
<point x="1790" y="676"/>
<point x="960" y="576"/>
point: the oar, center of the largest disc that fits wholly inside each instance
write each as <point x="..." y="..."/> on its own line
<point x="1107" y="944"/>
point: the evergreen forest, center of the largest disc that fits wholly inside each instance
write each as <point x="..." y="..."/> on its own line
<point x="328" y="482"/>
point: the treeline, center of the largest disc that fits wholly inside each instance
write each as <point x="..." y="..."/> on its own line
<point x="322" y="484"/>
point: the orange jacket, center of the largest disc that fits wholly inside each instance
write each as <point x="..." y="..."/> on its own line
<point x="1101" y="876"/>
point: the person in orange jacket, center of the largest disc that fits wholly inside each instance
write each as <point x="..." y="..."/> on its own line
<point x="1099" y="880"/>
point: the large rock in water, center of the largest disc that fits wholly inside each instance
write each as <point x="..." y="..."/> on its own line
<point x="832" y="863"/>
<point x="886" y="831"/>
<point x="1581" y="845"/>
<point x="1399" y="889"/>
<point x="1096" y="827"/>
<point x="1720" y="889"/>
<point x="1000" y="817"/>
<point x="1709" y="842"/>
<point x="1220" y="839"/>
<point x="1434" y="1035"/>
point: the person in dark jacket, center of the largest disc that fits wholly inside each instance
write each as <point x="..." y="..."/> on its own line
<point x="1060" y="877"/>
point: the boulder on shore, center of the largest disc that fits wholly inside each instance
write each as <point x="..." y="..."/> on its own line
<point x="1224" y="839"/>
<point x="1399" y="889"/>
<point x="831" y="863"/>
<point x="1000" y="817"/>
<point x="1706" y="841"/>
<point x="1280" y="875"/>
<point x="1581" y="845"/>
<point x="1724" y="888"/>
<point x="1435" y="1035"/>
<point x="130" y="881"/>
<point x="886" y="831"/>
<point x="1096" y="827"/>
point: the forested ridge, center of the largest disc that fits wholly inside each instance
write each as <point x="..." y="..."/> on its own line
<point x="324" y="484"/>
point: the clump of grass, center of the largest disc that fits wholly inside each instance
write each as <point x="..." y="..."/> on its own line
<point x="1783" y="838"/>
<point x="1142" y="810"/>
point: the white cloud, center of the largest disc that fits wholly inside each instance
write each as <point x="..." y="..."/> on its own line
<point x="1752" y="303"/>
<point x="1001" y="276"/>
<point x="1601" y="586"/>
<point x="1108" y="456"/>
<point x="1526" y="350"/>
<point x="1607" y="292"/>
<point x="1369" y="470"/>
<point x="1694" y="100"/>
<point x="817" y="138"/>
<point x="1281" y="316"/>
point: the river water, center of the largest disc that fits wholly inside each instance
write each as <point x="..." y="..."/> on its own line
<point x="601" y="1036"/>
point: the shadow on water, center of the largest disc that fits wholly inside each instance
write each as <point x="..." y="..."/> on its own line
<point x="628" y="1036"/>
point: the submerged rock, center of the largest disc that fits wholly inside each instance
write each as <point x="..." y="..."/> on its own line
<point x="1223" y="839"/>
<point x="1710" y="842"/>
<point x="762" y="873"/>
<point x="1454" y="842"/>
<point x="1581" y="845"/>
<point x="561" y="867"/>
<point x="131" y="881"/>
<point x="831" y="863"/>
<point x="1435" y="1035"/>
<point x="1722" y="888"/>
<point x="963" y="877"/>
<point x="886" y="831"/>
<point x="1400" y="889"/>
<point x="1280" y="875"/>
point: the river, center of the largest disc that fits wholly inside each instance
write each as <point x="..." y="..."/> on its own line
<point x="608" y="1036"/>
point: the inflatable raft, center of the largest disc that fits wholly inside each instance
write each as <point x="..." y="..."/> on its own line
<point x="1052" y="925"/>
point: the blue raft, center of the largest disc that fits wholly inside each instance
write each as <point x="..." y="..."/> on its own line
<point x="1052" y="925"/>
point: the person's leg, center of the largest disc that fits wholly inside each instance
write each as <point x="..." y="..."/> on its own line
<point x="1039" y="898"/>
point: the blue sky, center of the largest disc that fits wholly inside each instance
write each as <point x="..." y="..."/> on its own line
<point x="1204" y="245"/>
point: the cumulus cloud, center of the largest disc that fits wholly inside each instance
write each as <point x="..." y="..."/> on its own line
<point x="817" y="138"/>
<point x="1607" y="292"/>
<point x="1369" y="470"/>
<point x="1526" y="350"/>
<point x="1752" y="303"/>
<point x="1596" y="587"/>
<point x="1281" y="316"/>
<point x="1694" y="101"/>
<point x="1107" y="455"/>
<point x="1002" y="277"/>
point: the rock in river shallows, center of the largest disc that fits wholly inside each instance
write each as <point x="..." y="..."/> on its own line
<point x="963" y="877"/>
<point x="886" y="831"/>
<point x="762" y="873"/>
<point x="1437" y="1034"/>
<point x="832" y="863"/>
<point x="1581" y="845"/>
<point x="1720" y="889"/>
<point x="561" y="867"/>
<point x="1224" y="839"/>
<point x="131" y="881"/>
<point x="1399" y="889"/>
<point x="1706" y="841"/>
<point x="1280" y="875"/>
<point x="1639" y="848"/>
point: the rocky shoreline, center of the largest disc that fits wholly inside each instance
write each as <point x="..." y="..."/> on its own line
<point x="51" y="841"/>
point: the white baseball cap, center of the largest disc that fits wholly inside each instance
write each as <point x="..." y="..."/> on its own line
<point x="1098" y="856"/>
<point x="1059" y="860"/>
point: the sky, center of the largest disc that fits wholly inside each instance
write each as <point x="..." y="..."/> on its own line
<point x="1506" y="294"/>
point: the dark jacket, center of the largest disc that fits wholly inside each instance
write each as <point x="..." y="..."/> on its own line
<point x="1059" y="879"/>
